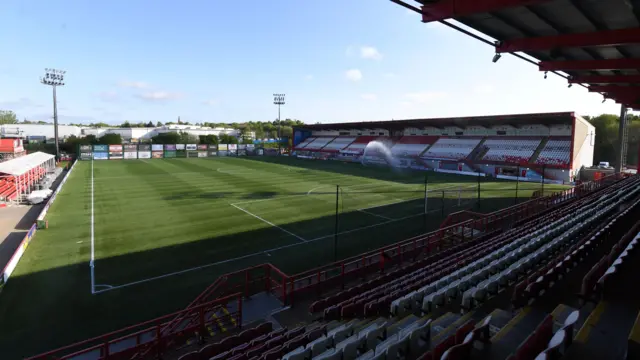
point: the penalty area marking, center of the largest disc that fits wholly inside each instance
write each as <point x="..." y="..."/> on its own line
<point x="267" y="252"/>
<point x="269" y="222"/>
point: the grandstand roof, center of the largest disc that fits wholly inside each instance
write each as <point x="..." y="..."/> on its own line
<point x="592" y="43"/>
<point x="21" y="165"/>
<point x="514" y="120"/>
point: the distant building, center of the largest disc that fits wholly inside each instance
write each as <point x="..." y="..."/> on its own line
<point x="25" y="131"/>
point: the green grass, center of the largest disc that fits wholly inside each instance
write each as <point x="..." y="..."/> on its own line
<point x="156" y="217"/>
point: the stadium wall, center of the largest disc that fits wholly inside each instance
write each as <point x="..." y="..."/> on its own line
<point x="584" y="136"/>
<point x="17" y="255"/>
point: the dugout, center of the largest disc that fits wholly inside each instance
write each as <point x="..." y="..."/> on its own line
<point x="19" y="176"/>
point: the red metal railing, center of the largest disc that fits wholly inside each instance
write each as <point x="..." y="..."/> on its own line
<point x="148" y="337"/>
<point x="171" y="328"/>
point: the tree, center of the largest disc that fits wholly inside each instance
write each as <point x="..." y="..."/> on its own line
<point x="149" y="124"/>
<point x="208" y="139"/>
<point x="110" y="139"/>
<point x="227" y="139"/>
<point x="8" y="117"/>
<point x="125" y="125"/>
<point x="158" y="124"/>
<point x="166" y="138"/>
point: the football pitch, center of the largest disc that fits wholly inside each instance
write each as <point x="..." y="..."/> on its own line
<point x="157" y="232"/>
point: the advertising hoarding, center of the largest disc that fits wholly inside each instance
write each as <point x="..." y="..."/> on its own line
<point x="86" y="148"/>
<point x="130" y="147"/>
<point x="202" y="154"/>
<point x="179" y="146"/>
<point x="157" y="147"/>
<point x="192" y="154"/>
<point x="181" y="153"/>
<point x="116" y="148"/>
<point x="86" y="156"/>
<point x="115" y="155"/>
<point x="157" y="154"/>
<point x="101" y="148"/>
<point x="100" y="156"/>
<point x="213" y="152"/>
<point x="192" y="146"/>
<point x="202" y="147"/>
<point x="144" y="154"/>
<point x="144" y="147"/>
<point x="233" y="147"/>
<point x="169" y="154"/>
<point x="223" y="147"/>
<point x="130" y="154"/>
<point x="170" y="147"/>
<point x="213" y="147"/>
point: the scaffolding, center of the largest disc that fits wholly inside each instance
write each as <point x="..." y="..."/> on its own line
<point x="18" y="177"/>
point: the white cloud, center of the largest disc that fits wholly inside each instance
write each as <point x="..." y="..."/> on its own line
<point x="353" y="75"/>
<point x="370" y="52"/>
<point x="425" y="97"/>
<point x="484" y="89"/>
<point x="134" y="84"/>
<point x="211" y="102"/>
<point x="159" y="96"/>
<point x="369" y="97"/>
<point x="308" y="77"/>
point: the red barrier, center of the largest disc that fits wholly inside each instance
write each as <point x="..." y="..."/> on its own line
<point x="148" y="337"/>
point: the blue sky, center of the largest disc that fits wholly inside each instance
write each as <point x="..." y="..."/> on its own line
<point x="221" y="61"/>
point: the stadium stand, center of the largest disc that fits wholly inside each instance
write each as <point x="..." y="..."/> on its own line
<point x="451" y="148"/>
<point x="358" y="146"/>
<point x="555" y="152"/>
<point x="517" y="151"/>
<point x="338" y="144"/>
<point x="19" y="175"/>
<point x="305" y="142"/>
<point x="318" y="143"/>
<point x="412" y="146"/>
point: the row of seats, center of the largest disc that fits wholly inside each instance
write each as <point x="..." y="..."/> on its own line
<point x="260" y="342"/>
<point x="339" y="143"/>
<point x="376" y="295"/>
<point x="9" y="185"/>
<point x="483" y="261"/>
<point x="610" y="265"/>
<point x="555" y="152"/>
<point x="451" y="148"/>
<point x="484" y="277"/>
<point x="318" y="143"/>
<point x="543" y="343"/>
<point x="512" y="151"/>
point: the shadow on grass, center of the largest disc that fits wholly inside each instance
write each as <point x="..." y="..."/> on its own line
<point x="52" y="308"/>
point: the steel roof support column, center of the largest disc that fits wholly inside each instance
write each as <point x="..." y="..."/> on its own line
<point x="620" y="160"/>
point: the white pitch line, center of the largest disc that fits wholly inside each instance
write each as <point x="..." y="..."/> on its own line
<point x="263" y="252"/>
<point x="269" y="222"/>
<point x="376" y="215"/>
<point x="92" y="261"/>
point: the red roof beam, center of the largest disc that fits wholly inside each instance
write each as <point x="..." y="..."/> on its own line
<point x="614" y="89"/>
<point x="610" y="64"/>
<point x="605" y="79"/>
<point x="601" y="38"/>
<point x="448" y="9"/>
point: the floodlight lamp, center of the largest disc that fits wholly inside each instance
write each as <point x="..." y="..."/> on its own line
<point x="496" y="57"/>
<point x="604" y="98"/>
<point x="570" y="85"/>
<point x="546" y="73"/>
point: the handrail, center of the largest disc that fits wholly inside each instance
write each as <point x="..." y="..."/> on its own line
<point x="134" y="330"/>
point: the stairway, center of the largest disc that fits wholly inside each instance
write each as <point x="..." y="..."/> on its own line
<point x="479" y="151"/>
<point x="534" y="157"/>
